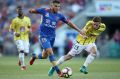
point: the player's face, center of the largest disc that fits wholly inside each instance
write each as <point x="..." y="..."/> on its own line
<point x="19" y="11"/>
<point x="55" y="7"/>
<point x="96" y="25"/>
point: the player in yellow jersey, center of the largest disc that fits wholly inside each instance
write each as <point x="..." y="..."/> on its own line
<point x="92" y="30"/>
<point x="20" y="27"/>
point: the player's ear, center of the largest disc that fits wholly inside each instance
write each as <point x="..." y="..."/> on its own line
<point x="16" y="10"/>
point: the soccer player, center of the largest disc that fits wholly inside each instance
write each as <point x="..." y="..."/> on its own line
<point x="50" y="18"/>
<point x="20" y="27"/>
<point x="92" y="29"/>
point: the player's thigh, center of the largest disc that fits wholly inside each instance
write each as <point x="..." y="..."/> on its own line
<point x="45" y="42"/>
<point x="52" y="40"/>
<point x="91" y="48"/>
<point x="44" y="54"/>
<point x="26" y="46"/>
<point x="20" y="45"/>
<point x="76" y="49"/>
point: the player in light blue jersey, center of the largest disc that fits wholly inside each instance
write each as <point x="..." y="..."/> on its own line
<point x="50" y="18"/>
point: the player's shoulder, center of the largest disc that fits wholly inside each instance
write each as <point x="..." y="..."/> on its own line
<point x="60" y="14"/>
<point x="90" y="22"/>
<point x="26" y="17"/>
<point x="102" y="25"/>
<point x="44" y="9"/>
<point x="15" y="19"/>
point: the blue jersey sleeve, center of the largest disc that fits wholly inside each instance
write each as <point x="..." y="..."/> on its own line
<point x="64" y="19"/>
<point x="41" y="10"/>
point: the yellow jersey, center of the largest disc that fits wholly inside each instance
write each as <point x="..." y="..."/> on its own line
<point x="91" y="33"/>
<point x="21" y="26"/>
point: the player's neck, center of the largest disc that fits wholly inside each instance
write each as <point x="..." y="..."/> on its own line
<point x="52" y="11"/>
<point x="21" y="16"/>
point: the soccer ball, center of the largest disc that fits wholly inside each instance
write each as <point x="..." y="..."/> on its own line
<point x="67" y="71"/>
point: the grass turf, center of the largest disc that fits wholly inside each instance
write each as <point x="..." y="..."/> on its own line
<point x="99" y="69"/>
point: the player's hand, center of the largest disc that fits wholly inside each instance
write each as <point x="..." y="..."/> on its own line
<point x="85" y="37"/>
<point x="31" y="10"/>
<point x="82" y="33"/>
<point x="17" y="34"/>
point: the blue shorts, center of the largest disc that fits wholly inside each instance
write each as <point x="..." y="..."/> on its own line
<point x="47" y="42"/>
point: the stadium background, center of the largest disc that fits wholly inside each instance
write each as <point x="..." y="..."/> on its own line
<point x="79" y="11"/>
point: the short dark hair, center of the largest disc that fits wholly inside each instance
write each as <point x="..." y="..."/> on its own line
<point x="19" y="7"/>
<point x="55" y="1"/>
<point x="97" y="19"/>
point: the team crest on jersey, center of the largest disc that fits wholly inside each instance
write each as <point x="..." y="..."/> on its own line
<point x="43" y="40"/>
<point x="47" y="15"/>
<point x="57" y="18"/>
<point x="22" y="28"/>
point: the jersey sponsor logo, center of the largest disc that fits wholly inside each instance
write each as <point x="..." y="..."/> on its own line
<point x="50" y="23"/>
<point x="57" y="18"/>
<point x="43" y="40"/>
<point x="22" y="29"/>
<point x="47" y="15"/>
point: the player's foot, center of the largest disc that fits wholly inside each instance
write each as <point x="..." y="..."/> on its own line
<point x="51" y="71"/>
<point x="19" y="63"/>
<point x="84" y="70"/>
<point x="32" y="60"/>
<point x="23" y="68"/>
<point x="60" y="74"/>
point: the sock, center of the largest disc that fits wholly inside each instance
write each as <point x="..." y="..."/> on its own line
<point x="60" y="61"/>
<point x="21" y="58"/>
<point x="89" y="59"/>
<point x="39" y="56"/>
<point x="52" y="60"/>
<point x="57" y="69"/>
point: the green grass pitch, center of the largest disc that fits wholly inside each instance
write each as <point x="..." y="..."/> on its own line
<point x="99" y="69"/>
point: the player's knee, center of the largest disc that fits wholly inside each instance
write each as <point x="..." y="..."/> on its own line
<point x="49" y="51"/>
<point x="26" y="54"/>
<point x="21" y="51"/>
<point x="68" y="57"/>
<point x="93" y="54"/>
<point x="44" y="57"/>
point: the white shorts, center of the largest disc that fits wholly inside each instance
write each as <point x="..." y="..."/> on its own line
<point x="77" y="48"/>
<point x="22" y="45"/>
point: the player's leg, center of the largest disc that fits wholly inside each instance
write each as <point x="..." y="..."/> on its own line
<point x="42" y="55"/>
<point x="20" y="47"/>
<point x="60" y="61"/>
<point x="26" y="51"/>
<point x="53" y="61"/>
<point x="47" y="44"/>
<point x="93" y="50"/>
<point x="76" y="49"/>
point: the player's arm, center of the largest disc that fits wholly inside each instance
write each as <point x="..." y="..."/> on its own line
<point x="29" y="26"/>
<point x="37" y="11"/>
<point x="33" y="11"/>
<point x="75" y="27"/>
<point x="69" y="23"/>
<point x="12" y="29"/>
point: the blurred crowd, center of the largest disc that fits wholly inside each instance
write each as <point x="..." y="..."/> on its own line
<point x="108" y="47"/>
<point x="8" y="12"/>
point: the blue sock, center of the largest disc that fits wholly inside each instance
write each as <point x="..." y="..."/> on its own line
<point x="40" y="56"/>
<point x="57" y="69"/>
<point x="34" y="55"/>
<point x="37" y="56"/>
<point x="52" y="58"/>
